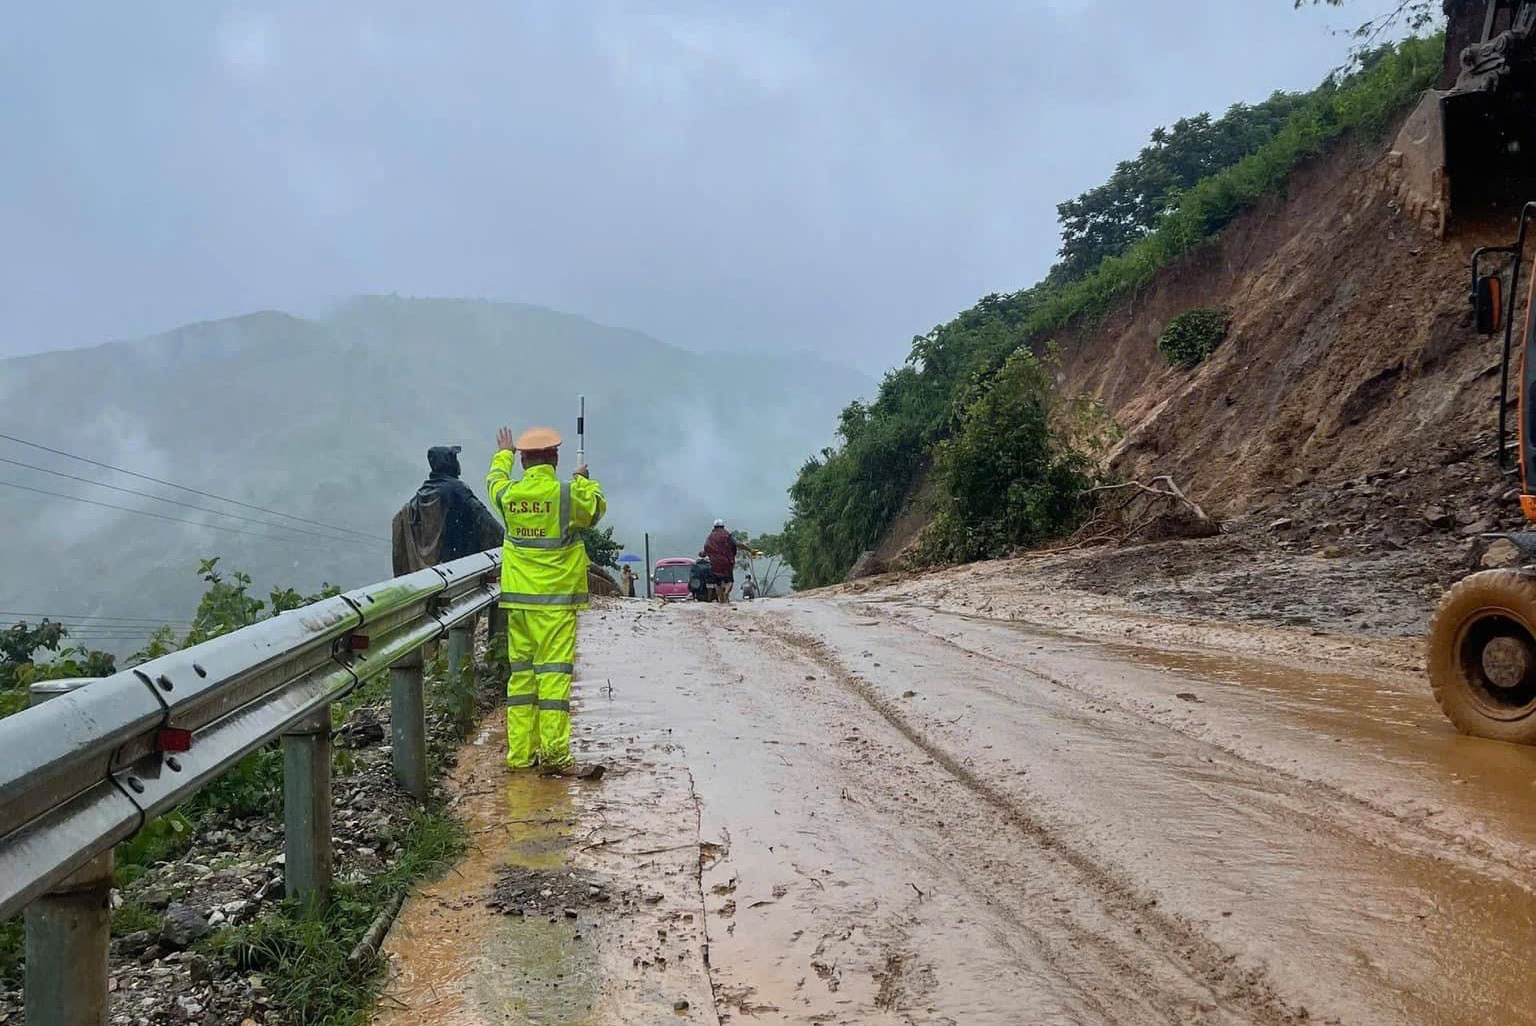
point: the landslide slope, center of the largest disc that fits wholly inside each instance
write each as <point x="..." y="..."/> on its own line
<point x="1350" y="352"/>
<point x="1350" y="348"/>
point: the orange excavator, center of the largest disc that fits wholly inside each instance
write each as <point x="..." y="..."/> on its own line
<point x="1462" y="156"/>
<point x="1481" y="651"/>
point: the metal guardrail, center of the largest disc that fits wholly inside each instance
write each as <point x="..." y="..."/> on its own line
<point x="88" y="767"/>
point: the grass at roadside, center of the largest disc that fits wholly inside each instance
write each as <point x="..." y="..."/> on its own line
<point x="302" y="956"/>
<point x="305" y="957"/>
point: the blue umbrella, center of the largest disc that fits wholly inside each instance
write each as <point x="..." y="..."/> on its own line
<point x="630" y="558"/>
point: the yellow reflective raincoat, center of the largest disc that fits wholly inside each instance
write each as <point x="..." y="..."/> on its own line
<point x="543" y="585"/>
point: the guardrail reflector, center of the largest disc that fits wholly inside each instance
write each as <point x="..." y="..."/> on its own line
<point x="173" y="739"/>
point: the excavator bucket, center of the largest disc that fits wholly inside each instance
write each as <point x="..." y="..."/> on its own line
<point x="1467" y="153"/>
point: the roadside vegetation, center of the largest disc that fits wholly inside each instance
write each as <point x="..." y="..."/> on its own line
<point x="972" y="402"/>
<point x="301" y="952"/>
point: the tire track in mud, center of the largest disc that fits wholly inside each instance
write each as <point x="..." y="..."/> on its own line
<point x="1351" y="815"/>
<point x="1234" y="993"/>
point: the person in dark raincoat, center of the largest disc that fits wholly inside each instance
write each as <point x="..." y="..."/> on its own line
<point x="444" y="520"/>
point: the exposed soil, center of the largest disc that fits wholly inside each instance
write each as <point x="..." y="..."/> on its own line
<point x="525" y="891"/>
<point x="1344" y="434"/>
<point x="1350" y="347"/>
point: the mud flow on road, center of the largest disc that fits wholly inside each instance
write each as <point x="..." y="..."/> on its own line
<point x="835" y="810"/>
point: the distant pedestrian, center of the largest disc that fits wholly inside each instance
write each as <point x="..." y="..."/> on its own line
<point x="721" y="549"/>
<point x="629" y="581"/>
<point x="699" y="579"/>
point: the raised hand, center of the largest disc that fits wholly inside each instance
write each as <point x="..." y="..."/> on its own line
<point x="504" y="440"/>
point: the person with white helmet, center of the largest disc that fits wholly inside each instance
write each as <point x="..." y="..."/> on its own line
<point x="721" y="549"/>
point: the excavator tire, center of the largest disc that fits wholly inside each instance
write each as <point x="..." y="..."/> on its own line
<point x="1481" y="655"/>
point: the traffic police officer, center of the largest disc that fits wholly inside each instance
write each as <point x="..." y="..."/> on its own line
<point x="543" y="587"/>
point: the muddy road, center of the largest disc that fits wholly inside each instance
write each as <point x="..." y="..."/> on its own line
<point x="875" y="809"/>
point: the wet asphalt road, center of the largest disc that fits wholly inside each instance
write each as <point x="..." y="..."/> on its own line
<point x="855" y="811"/>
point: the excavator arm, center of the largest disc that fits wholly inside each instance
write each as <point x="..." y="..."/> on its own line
<point x="1468" y="151"/>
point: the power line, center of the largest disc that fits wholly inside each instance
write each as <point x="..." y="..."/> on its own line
<point x="83" y="617"/>
<point x="173" y="502"/>
<point x="184" y="488"/>
<point x="159" y="516"/>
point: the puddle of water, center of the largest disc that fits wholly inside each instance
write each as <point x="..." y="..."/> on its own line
<point x="545" y="973"/>
<point x="1392" y="719"/>
<point x="457" y="961"/>
<point x="1405" y="730"/>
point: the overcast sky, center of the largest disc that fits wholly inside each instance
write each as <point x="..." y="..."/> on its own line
<point x="808" y="174"/>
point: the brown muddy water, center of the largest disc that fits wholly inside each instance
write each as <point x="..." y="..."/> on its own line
<point x="820" y="813"/>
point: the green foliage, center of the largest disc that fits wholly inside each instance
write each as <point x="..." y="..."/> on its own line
<point x="131" y="917"/>
<point x="1172" y="199"/>
<point x="310" y="953"/>
<point x="1009" y="480"/>
<point x="160" y="839"/>
<point x="1105" y="221"/>
<point x="1193" y="335"/>
<point x="12" y="950"/>
<point x="602" y="550"/>
<point x="1365" y="101"/>
<point x="303" y="955"/>
<point x="771" y="568"/>
<point x="19" y="646"/>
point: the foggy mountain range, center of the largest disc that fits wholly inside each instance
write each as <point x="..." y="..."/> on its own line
<point x="329" y="419"/>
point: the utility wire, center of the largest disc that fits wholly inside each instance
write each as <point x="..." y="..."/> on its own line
<point x="194" y="491"/>
<point x="83" y="617"/>
<point x="175" y="502"/>
<point x="161" y="516"/>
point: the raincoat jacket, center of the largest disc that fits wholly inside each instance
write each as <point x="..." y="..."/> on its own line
<point x="543" y="565"/>
<point x="443" y="521"/>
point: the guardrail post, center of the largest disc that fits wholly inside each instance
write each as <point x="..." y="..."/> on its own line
<point x="408" y="725"/>
<point x="307" y="808"/>
<point x="496" y="635"/>
<point x="461" y="651"/>
<point x="69" y="932"/>
<point x="460" y="646"/>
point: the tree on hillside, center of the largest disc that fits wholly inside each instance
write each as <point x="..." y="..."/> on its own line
<point x="1105" y="221"/>
<point x="1010" y="476"/>
<point x="967" y="411"/>
<point x="19" y="646"/>
<point x="770" y="568"/>
<point x="602" y="550"/>
<point x="1414" y="15"/>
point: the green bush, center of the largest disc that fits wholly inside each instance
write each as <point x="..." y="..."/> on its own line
<point x="1009" y="479"/>
<point x="1193" y="335"/>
